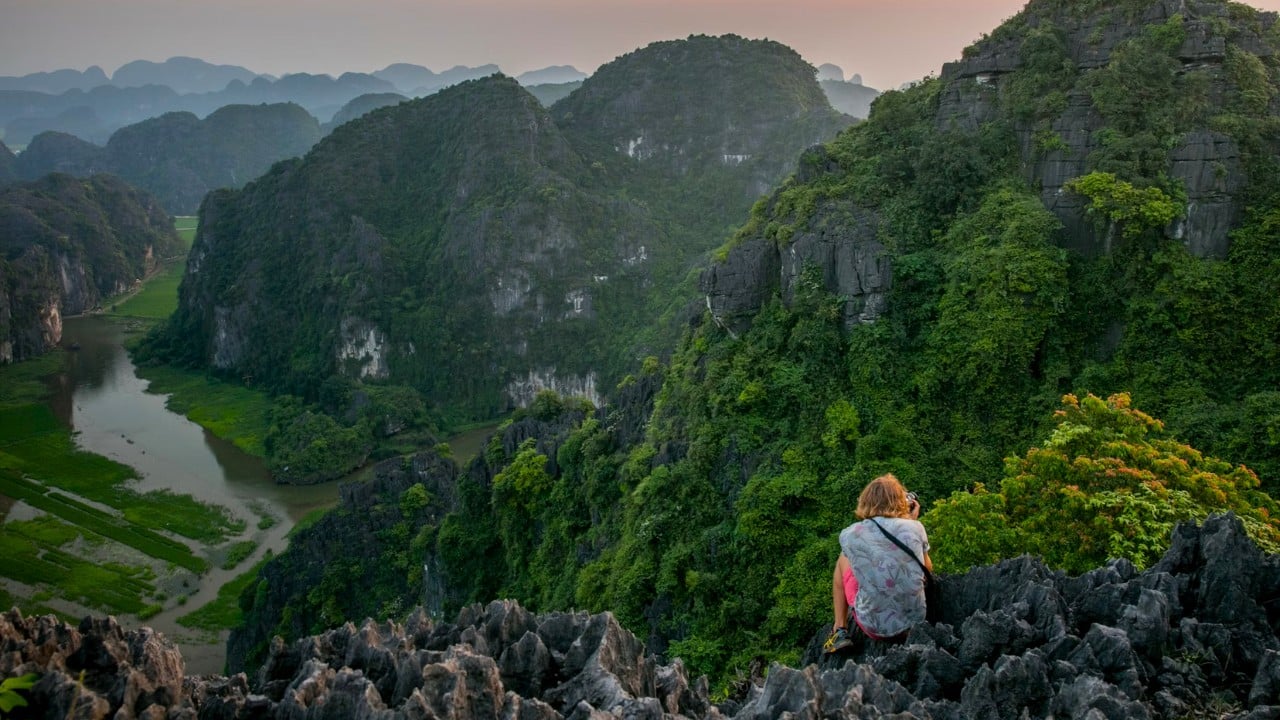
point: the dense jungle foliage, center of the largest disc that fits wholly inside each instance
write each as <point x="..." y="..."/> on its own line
<point x="469" y="241"/>
<point x="981" y="384"/>
<point x="66" y="244"/>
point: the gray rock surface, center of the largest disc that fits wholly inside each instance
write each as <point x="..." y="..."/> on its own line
<point x="841" y="245"/>
<point x="1017" y="641"/>
<point x="1207" y="163"/>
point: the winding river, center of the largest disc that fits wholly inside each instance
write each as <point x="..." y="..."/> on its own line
<point x="106" y="405"/>
<point x="108" y="408"/>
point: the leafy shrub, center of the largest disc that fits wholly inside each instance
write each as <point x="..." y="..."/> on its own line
<point x="1106" y="483"/>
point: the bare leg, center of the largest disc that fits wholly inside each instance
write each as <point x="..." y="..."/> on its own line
<point x="839" y="604"/>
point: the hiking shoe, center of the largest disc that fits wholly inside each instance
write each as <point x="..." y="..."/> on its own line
<point x="839" y="640"/>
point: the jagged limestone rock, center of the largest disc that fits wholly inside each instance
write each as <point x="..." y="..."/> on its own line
<point x="501" y="661"/>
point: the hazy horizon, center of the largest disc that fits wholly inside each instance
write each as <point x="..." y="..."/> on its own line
<point x="888" y="44"/>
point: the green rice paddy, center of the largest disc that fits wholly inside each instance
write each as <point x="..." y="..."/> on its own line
<point x="158" y="298"/>
<point x="86" y="510"/>
<point x="224" y="610"/>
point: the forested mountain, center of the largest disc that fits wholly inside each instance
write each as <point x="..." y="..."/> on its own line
<point x="8" y="173"/>
<point x="91" y="110"/>
<point x="65" y="244"/>
<point x="179" y="157"/>
<point x="56" y="81"/>
<point x="850" y="98"/>
<point x="472" y="247"/>
<point x="416" y="81"/>
<point x="1086" y="206"/>
<point x="551" y="94"/>
<point x="361" y="106"/>
<point x="182" y="74"/>
<point x="60" y="152"/>
<point x="553" y="75"/>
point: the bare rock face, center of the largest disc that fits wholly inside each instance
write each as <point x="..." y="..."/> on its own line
<point x="68" y="244"/>
<point x="1187" y="638"/>
<point x="1207" y="162"/>
<point x="841" y="243"/>
<point x="94" y="671"/>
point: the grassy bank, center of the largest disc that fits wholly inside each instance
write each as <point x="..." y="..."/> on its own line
<point x="86" y="516"/>
<point x="85" y="512"/>
<point x="223" y="611"/>
<point x="230" y="411"/>
<point x="158" y="298"/>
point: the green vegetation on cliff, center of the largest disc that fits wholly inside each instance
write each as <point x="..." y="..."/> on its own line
<point x="1099" y="222"/>
<point x="66" y="245"/>
<point x="475" y="247"/>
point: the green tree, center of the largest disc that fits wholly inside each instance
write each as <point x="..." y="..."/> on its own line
<point x="1106" y="483"/>
<point x="1132" y="209"/>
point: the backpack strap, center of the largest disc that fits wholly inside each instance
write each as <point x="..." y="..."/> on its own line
<point x="900" y="544"/>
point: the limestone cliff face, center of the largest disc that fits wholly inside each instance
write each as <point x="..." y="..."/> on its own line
<point x="67" y="244"/>
<point x="1059" y="130"/>
<point x="480" y="248"/>
<point x="841" y="241"/>
<point x="1207" y="162"/>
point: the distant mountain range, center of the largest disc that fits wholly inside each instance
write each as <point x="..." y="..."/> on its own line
<point x="471" y="236"/>
<point x="91" y="106"/>
<point x="178" y="157"/>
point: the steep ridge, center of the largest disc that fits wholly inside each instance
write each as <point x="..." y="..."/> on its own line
<point x="361" y="106"/>
<point x="1140" y="128"/>
<point x="178" y="157"/>
<point x="908" y="303"/>
<point x="728" y="106"/>
<point x="461" y="243"/>
<point x="182" y="74"/>
<point x="8" y="173"/>
<point x="65" y="244"/>
<point x="1191" y="637"/>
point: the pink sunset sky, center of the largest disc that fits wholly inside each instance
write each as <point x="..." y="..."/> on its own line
<point x="888" y="42"/>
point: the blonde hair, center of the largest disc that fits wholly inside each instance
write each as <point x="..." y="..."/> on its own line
<point x="883" y="497"/>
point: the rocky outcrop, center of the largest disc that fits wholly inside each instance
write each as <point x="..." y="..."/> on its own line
<point x="840" y="243"/>
<point x="1208" y="163"/>
<point x="1190" y="636"/>
<point x="65" y="245"/>
<point x="364" y="526"/>
<point x="356" y="530"/>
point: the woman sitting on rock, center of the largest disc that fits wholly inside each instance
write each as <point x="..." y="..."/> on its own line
<point x="876" y="583"/>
